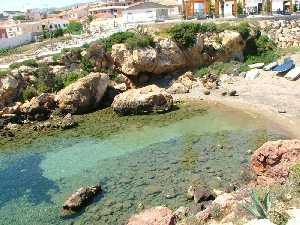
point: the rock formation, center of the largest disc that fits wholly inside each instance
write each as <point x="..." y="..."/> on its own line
<point x="84" y="94"/>
<point x="272" y="161"/>
<point x="81" y="197"/>
<point x="147" y="99"/>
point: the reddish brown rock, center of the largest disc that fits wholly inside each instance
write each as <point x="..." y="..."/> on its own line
<point x="153" y="216"/>
<point x="272" y="161"/>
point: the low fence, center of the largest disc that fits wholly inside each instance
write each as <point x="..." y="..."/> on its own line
<point x="15" y="41"/>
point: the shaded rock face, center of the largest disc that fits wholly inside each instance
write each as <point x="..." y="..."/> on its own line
<point x="83" y="95"/>
<point x="153" y="216"/>
<point x="39" y="108"/>
<point x="81" y="197"/>
<point x="10" y="89"/>
<point x="272" y="161"/>
<point x="138" y="101"/>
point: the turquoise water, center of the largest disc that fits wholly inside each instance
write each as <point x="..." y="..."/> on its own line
<point x="138" y="167"/>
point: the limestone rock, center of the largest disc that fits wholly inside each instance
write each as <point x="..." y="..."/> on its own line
<point x="147" y="99"/>
<point x="39" y="108"/>
<point x="270" y="66"/>
<point x="272" y="161"/>
<point x="81" y="197"/>
<point x="10" y="89"/>
<point x="293" y="74"/>
<point x="84" y="94"/>
<point x="153" y="216"/>
<point x="256" y="66"/>
<point x="177" y="88"/>
<point x="200" y="194"/>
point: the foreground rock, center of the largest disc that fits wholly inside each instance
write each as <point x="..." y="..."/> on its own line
<point x="39" y="108"/>
<point x="81" y="197"/>
<point x="153" y="216"/>
<point x="138" y="101"/>
<point x="272" y="161"/>
<point x="83" y="95"/>
<point x="200" y="194"/>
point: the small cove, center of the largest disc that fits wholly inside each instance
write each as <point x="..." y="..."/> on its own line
<point x="141" y="161"/>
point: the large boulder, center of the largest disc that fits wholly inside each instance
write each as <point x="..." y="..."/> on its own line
<point x="272" y="161"/>
<point x="83" y="95"/>
<point x="81" y="197"/>
<point x="10" y="89"/>
<point x="153" y="216"/>
<point x="147" y="99"/>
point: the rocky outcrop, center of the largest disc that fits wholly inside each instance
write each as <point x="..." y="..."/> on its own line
<point x="167" y="56"/>
<point x="83" y="95"/>
<point x="272" y="161"/>
<point x="153" y="216"/>
<point x="81" y="197"/>
<point x="39" y="108"/>
<point x="10" y="89"/>
<point x="138" y="101"/>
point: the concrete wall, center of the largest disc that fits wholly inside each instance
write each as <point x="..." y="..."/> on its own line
<point x="15" y="41"/>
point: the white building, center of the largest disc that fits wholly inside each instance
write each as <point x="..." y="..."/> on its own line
<point x="145" y="12"/>
<point x="54" y="24"/>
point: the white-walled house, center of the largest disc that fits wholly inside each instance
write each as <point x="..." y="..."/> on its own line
<point x="145" y="12"/>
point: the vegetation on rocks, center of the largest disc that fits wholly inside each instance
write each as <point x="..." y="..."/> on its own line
<point x="74" y="27"/>
<point x="29" y="62"/>
<point x="132" y="39"/>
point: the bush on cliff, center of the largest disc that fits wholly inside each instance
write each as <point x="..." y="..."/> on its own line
<point x="28" y="93"/>
<point x="131" y="39"/>
<point x="185" y="34"/>
<point x="73" y="76"/>
<point x="29" y="62"/>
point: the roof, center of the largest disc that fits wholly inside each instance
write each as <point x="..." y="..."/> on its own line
<point x="103" y="15"/>
<point x="147" y="5"/>
<point x="167" y="2"/>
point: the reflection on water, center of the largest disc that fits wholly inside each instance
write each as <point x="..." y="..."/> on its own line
<point x="138" y="167"/>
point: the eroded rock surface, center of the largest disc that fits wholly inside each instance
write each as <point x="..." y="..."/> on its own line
<point x="84" y="94"/>
<point x="272" y="161"/>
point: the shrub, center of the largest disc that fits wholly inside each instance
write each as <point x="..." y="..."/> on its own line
<point x="185" y="34"/>
<point x="264" y="43"/>
<point x="87" y="64"/>
<point x="140" y="41"/>
<point x="257" y="207"/>
<point x="116" y="38"/>
<point x="244" y="29"/>
<point x="240" y="10"/>
<point x="57" y="57"/>
<point x="279" y="218"/>
<point x="75" y="27"/>
<point x="3" y="73"/>
<point x="265" y="57"/>
<point x="29" y="62"/>
<point x="295" y="173"/>
<point x="28" y="93"/>
<point x="70" y="77"/>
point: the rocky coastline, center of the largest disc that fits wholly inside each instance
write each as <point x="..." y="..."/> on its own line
<point x="155" y="79"/>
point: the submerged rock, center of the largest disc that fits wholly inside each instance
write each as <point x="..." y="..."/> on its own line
<point x="83" y="95"/>
<point x="147" y="99"/>
<point x="154" y="216"/>
<point x="272" y="161"/>
<point x="81" y="197"/>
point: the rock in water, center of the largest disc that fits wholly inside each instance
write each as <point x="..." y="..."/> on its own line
<point x="293" y="74"/>
<point x="272" y="161"/>
<point x="153" y="216"/>
<point x="81" y="197"/>
<point x="83" y="95"/>
<point x="138" y="101"/>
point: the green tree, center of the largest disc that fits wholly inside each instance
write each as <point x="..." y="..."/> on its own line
<point x="295" y="8"/>
<point x="21" y="17"/>
<point x="75" y="27"/>
<point x="240" y="10"/>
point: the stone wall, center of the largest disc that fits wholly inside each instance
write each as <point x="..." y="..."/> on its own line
<point x="285" y="33"/>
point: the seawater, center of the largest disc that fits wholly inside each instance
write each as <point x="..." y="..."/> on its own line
<point x="141" y="165"/>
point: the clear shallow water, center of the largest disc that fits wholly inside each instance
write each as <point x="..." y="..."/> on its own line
<point x="142" y="165"/>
